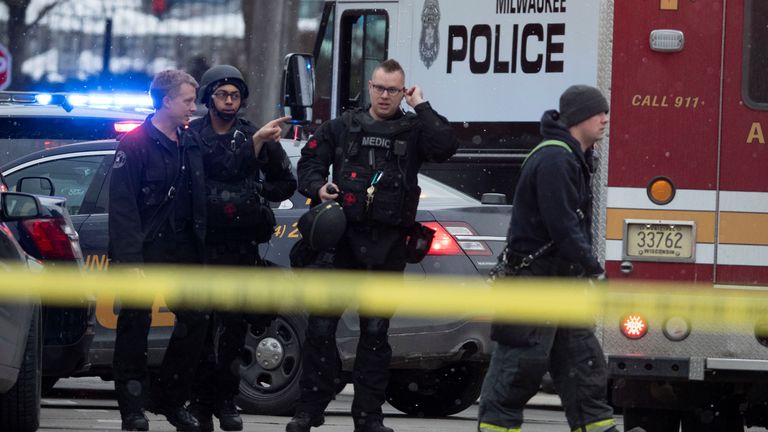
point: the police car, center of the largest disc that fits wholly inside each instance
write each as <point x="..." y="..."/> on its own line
<point x="20" y="333"/>
<point x="31" y="122"/>
<point x="437" y="364"/>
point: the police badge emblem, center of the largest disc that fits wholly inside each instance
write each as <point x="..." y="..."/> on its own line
<point x="120" y="159"/>
<point x="429" y="43"/>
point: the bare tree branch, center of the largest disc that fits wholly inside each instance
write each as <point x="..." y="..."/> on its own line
<point x="44" y="11"/>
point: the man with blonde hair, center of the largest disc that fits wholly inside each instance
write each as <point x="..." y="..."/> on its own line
<point x="157" y="215"/>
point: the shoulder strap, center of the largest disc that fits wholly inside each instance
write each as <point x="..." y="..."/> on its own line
<point x="548" y="143"/>
<point x="164" y="209"/>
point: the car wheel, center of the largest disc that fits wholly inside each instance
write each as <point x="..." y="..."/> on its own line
<point x="269" y="376"/>
<point x="435" y="393"/>
<point x="20" y="406"/>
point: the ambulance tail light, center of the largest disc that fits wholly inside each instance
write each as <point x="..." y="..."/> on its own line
<point x="126" y="126"/>
<point x="661" y="190"/>
<point x="676" y="328"/>
<point x="634" y="326"/>
<point x="443" y="243"/>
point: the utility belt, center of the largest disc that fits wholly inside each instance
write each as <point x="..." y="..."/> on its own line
<point x="238" y="208"/>
<point x="510" y="263"/>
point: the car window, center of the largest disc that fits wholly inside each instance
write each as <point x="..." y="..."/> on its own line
<point x="438" y="195"/>
<point x="71" y="177"/>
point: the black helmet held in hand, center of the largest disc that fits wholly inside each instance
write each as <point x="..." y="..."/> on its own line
<point x="218" y="76"/>
<point x="323" y="225"/>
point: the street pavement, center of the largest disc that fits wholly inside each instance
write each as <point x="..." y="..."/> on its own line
<point x="80" y="404"/>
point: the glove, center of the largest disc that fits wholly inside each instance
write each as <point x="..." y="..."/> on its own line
<point x="599" y="277"/>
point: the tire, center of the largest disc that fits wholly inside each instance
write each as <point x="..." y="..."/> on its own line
<point x="48" y="384"/>
<point x="652" y="419"/>
<point x="274" y="389"/>
<point x="20" y="406"/>
<point x="435" y="393"/>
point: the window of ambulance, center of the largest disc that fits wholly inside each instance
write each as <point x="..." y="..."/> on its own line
<point x="754" y="84"/>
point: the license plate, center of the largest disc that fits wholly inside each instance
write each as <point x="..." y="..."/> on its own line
<point x="653" y="240"/>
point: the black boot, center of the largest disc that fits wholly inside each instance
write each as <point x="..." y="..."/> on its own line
<point x="229" y="417"/>
<point x="373" y="423"/>
<point x="204" y="415"/>
<point x="179" y="417"/>
<point x="134" y="421"/>
<point x="303" y="421"/>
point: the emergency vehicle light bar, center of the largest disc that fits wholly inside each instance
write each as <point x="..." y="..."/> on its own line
<point x="124" y="101"/>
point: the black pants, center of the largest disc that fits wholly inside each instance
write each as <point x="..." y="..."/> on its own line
<point x="218" y="374"/>
<point x="574" y="359"/>
<point x="320" y="356"/>
<point x="132" y="383"/>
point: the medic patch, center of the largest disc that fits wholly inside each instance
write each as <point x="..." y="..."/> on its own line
<point x="120" y="159"/>
<point x="312" y="143"/>
<point x="377" y="142"/>
<point x="349" y="199"/>
<point x="429" y="42"/>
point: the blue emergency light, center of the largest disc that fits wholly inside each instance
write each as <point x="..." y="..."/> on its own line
<point x="122" y="101"/>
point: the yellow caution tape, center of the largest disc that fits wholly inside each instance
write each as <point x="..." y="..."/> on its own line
<point x="535" y="300"/>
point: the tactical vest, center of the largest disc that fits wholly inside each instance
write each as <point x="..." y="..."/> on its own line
<point x="234" y="202"/>
<point x="373" y="176"/>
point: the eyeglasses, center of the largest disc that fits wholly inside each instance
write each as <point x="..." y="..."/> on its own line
<point x="393" y="91"/>
<point x="223" y="96"/>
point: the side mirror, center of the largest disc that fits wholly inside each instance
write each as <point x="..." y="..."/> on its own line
<point x="298" y="87"/>
<point x="493" y="198"/>
<point x="36" y="186"/>
<point x="19" y="206"/>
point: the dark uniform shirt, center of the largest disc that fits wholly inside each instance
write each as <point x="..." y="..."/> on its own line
<point x="147" y="164"/>
<point x="230" y="159"/>
<point x="553" y="201"/>
<point x="383" y="156"/>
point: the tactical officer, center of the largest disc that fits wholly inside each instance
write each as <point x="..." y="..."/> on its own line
<point x="551" y="230"/>
<point x="245" y="168"/>
<point x="157" y="215"/>
<point x="376" y="154"/>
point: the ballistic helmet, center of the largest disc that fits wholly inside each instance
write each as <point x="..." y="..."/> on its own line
<point x="218" y="76"/>
<point x="323" y="225"/>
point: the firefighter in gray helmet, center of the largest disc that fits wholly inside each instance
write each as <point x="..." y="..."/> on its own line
<point x="375" y="153"/>
<point x="245" y="169"/>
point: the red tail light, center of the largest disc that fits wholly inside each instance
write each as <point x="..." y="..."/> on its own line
<point x="466" y="236"/>
<point x="443" y="243"/>
<point x="634" y="326"/>
<point x="50" y="238"/>
<point x="126" y="126"/>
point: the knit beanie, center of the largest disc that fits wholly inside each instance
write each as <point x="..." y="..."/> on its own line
<point x="580" y="102"/>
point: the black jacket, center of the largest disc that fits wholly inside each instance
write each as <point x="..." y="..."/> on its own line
<point x="146" y="165"/>
<point x="553" y="201"/>
<point x="435" y="138"/>
<point x="363" y="151"/>
<point x="233" y="165"/>
<point x="229" y="159"/>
